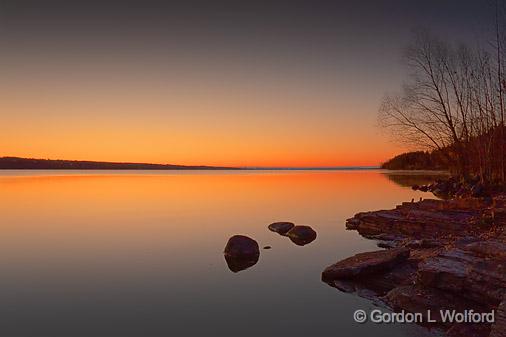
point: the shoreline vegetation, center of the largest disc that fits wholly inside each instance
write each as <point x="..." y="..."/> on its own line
<point x="418" y="160"/>
<point x="451" y="107"/>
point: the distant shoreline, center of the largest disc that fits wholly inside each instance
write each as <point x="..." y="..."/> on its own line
<point x="18" y="163"/>
<point x="330" y="168"/>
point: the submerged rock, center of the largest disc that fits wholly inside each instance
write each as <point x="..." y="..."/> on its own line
<point x="241" y="252"/>
<point x="365" y="264"/>
<point x="281" y="227"/>
<point x="301" y="235"/>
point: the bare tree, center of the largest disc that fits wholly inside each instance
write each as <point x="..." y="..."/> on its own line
<point x="452" y="102"/>
<point x="432" y="110"/>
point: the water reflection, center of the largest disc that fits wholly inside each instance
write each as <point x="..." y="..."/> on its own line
<point x="408" y="179"/>
<point x="302" y="242"/>
<point x="236" y="264"/>
<point x="136" y="254"/>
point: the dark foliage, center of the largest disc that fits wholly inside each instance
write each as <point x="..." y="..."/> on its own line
<point x="418" y="160"/>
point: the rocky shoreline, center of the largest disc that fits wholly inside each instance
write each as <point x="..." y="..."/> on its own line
<point x="440" y="254"/>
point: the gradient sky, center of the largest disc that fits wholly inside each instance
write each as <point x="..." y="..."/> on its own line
<point x="278" y="83"/>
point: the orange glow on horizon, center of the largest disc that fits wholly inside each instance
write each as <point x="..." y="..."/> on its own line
<point x="231" y="125"/>
<point x="227" y="155"/>
<point x="241" y="160"/>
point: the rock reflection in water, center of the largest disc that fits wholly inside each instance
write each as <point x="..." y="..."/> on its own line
<point x="236" y="264"/>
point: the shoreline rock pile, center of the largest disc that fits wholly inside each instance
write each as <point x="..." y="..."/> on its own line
<point x="459" y="188"/>
<point x="443" y="254"/>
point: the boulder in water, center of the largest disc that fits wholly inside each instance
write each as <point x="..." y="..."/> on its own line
<point x="241" y="252"/>
<point x="301" y="235"/>
<point x="241" y="246"/>
<point x="281" y="227"/>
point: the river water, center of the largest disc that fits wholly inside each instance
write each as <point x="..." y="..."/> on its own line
<point x="140" y="253"/>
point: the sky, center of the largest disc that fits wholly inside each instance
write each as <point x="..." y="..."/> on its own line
<point x="229" y="83"/>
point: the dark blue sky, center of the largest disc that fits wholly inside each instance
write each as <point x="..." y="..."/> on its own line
<point x="235" y="21"/>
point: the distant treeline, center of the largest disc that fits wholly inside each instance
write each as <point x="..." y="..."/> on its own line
<point x="418" y="160"/>
<point x="15" y="163"/>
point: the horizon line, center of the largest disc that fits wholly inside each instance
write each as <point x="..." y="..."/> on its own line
<point x="336" y="167"/>
<point x="184" y="166"/>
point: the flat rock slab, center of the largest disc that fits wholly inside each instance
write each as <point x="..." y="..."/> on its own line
<point x="489" y="248"/>
<point x="402" y="274"/>
<point x="447" y="255"/>
<point x="423" y="219"/>
<point x="366" y="264"/>
<point x="417" y="299"/>
<point x="461" y="271"/>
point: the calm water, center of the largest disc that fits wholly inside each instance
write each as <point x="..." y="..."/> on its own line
<point x="140" y="253"/>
